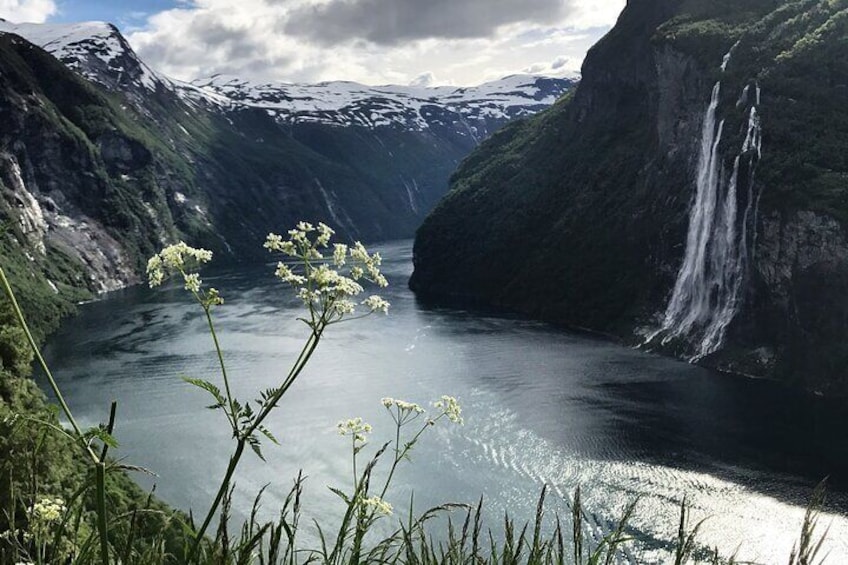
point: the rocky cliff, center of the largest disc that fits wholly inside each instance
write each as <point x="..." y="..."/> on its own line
<point x="103" y="160"/>
<point x="690" y="196"/>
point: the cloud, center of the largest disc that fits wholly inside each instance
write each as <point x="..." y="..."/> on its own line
<point x="536" y="68"/>
<point x="560" y="62"/>
<point x="389" y="22"/>
<point x="19" y="11"/>
<point x="249" y="39"/>
<point x="424" y="79"/>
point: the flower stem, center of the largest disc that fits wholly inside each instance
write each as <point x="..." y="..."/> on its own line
<point x="43" y="364"/>
<point x="102" y="519"/>
<point x="222" y="491"/>
<point x="232" y="416"/>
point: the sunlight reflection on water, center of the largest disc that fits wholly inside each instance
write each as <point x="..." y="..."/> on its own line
<point x="542" y="406"/>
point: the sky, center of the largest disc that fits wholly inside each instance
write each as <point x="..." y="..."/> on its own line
<point x="423" y="42"/>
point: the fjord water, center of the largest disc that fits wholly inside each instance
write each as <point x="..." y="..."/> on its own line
<point x="542" y="406"/>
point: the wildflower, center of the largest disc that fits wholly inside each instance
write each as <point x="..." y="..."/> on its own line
<point x="285" y="274"/>
<point x="275" y="242"/>
<point x="377" y="505"/>
<point x="343" y="307"/>
<point x="450" y="408"/>
<point x="370" y="264"/>
<point x="376" y="304"/>
<point x="177" y="258"/>
<point x="48" y="509"/>
<point x="402" y="405"/>
<point x="192" y="282"/>
<point x="155" y="271"/>
<point x="355" y="427"/>
<point x="327" y="287"/>
<point x="339" y="254"/>
<point x="213" y="297"/>
<point x="324" y="234"/>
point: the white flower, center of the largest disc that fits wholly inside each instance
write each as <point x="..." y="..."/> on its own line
<point x="48" y="509"/>
<point x="155" y="272"/>
<point x="343" y="307"/>
<point x="275" y="242"/>
<point x="339" y="254"/>
<point x="324" y="234"/>
<point x="402" y="405"/>
<point x="376" y="304"/>
<point x="355" y="427"/>
<point x="409" y="406"/>
<point x="192" y="282"/>
<point x="175" y="258"/>
<point x="327" y="288"/>
<point x="450" y="408"/>
<point x="377" y="505"/>
<point x="285" y="274"/>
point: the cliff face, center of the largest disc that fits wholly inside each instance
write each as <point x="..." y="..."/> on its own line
<point x="103" y="161"/>
<point x="79" y="184"/>
<point x="691" y="195"/>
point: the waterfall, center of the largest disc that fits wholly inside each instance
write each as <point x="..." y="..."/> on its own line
<point x="709" y="287"/>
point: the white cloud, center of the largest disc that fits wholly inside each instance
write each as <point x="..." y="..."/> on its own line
<point x="424" y="79"/>
<point x="253" y="39"/>
<point x="20" y="11"/>
<point x="536" y="68"/>
<point x="560" y="62"/>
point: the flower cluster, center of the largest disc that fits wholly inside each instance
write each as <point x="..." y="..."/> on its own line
<point x="327" y="286"/>
<point x="355" y="427"/>
<point x="177" y="258"/>
<point x="450" y="408"/>
<point x="16" y="534"/>
<point x="182" y="259"/>
<point x="402" y="405"/>
<point x="377" y="505"/>
<point x="48" y="510"/>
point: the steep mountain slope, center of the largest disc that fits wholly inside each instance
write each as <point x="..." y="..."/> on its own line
<point x="691" y="194"/>
<point x="237" y="162"/>
<point x="84" y="185"/>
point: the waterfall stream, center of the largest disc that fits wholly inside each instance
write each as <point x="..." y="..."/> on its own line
<point x="709" y="287"/>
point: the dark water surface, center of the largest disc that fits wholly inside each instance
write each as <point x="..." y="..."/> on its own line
<point x="542" y="406"/>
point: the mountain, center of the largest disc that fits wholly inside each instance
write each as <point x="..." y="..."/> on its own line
<point x="472" y="111"/>
<point x="103" y="160"/>
<point x="691" y="195"/>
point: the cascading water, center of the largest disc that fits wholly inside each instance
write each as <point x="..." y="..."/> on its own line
<point x="708" y="291"/>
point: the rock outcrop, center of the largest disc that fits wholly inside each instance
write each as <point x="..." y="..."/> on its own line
<point x="580" y="215"/>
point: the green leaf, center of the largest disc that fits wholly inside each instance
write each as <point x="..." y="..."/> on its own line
<point x="220" y="401"/>
<point x="100" y="433"/>
<point x="256" y="446"/>
<point x="340" y="494"/>
<point x="267" y="433"/>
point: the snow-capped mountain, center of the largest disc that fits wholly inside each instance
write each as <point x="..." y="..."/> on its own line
<point x="103" y="144"/>
<point x="99" y="52"/>
<point x="96" y="50"/>
<point x="349" y="103"/>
